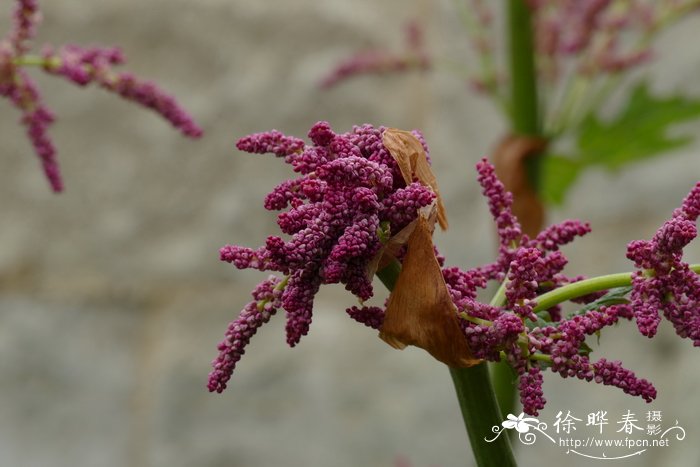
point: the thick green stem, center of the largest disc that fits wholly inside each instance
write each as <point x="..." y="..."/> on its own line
<point x="525" y="120"/>
<point x="524" y="112"/>
<point x="477" y="402"/>
<point x="504" y="381"/>
<point x="481" y="412"/>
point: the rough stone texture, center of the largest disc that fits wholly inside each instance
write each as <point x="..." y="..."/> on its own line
<point x="112" y="299"/>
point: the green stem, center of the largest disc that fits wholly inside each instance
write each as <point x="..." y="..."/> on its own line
<point x="587" y="286"/>
<point x="36" y="60"/>
<point x="525" y="115"/>
<point x="390" y="274"/>
<point x="524" y="112"/>
<point x="477" y="401"/>
<point x="502" y="375"/>
<point x="525" y="120"/>
<point x="481" y="412"/>
<point x="504" y="379"/>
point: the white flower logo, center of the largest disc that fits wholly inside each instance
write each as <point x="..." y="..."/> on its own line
<point x="520" y="423"/>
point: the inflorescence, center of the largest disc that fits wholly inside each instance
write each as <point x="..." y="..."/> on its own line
<point x="79" y="65"/>
<point x="380" y="61"/>
<point x="350" y="198"/>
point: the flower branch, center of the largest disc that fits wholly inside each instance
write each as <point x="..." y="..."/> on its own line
<point x="79" y="65"/>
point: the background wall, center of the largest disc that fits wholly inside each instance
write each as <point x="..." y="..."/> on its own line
<point x="112" y="298"/>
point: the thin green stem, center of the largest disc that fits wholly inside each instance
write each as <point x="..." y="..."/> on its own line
<point x="278" y="288"/>
<point x="36" y="60"/>
<point x="588" y="286"/>
<point x="477" y="401"/>
<point x="475" y="320"/>
<point x="499" y="298"/>
<point x="541" y="357"/>
<point x="502" y="375"/>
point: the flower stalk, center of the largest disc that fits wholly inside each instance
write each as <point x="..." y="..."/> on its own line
<point x="477" y="401"/>
<point x="525" y="121"/>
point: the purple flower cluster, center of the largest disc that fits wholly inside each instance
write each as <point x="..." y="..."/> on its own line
<point x="83" y="66"/>
<point x="664" y="282"/>
<point x="350" y="197"/>
<point x="80" y="66"/>
<point x="19" y="88"/>
<point x="349" y="193"/>
<point x="380" y="61"/>
<point x="530" y="267"/>
<point x="592" y="31"/>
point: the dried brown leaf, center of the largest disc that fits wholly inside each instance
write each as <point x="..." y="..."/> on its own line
<point x="509" y="160"/>
<point x="410" y="156"/>
<point x="420" y="311"/>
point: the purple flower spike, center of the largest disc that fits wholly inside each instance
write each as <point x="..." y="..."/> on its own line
<point x="613" y="374"/>
<point x="270" y="142"/>
<point x="149" y="95"/>
<point x="501" y="206"/>
<point x="266" y="302"/>
<point x="525" y="272"/>
<point x="690" y="209"/>
<point x="25" y="22"/>
<point x="298" y="300"/>
<point x="554" y="236"/>
<point x="370" y="316"/>
<point x="530" y="388"/>
<point x="36" y="118"/>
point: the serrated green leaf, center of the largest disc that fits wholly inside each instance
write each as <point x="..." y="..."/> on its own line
<point x="638" y="131"/>
<point x="557" y="175"/>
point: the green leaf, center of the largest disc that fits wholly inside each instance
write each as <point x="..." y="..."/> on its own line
<point x="542" y="321"/>
<point x="614" y="296"/>
<point x="557" y="175"/>
<point x="638" y="131"/>
<point x="585" y="349"/>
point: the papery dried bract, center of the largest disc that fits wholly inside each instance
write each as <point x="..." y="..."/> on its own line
<point x="410" y="156"/>
<point x="420" y="311"/>
<point x="509" y="159"/>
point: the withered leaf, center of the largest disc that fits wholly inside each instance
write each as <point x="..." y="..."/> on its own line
<point x="509" y="160"/>
<point x="410" y="156"/>
<point x="420" y="311"/>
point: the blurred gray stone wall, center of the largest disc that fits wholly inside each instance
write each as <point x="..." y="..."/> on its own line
<point x="112" y="298"/>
